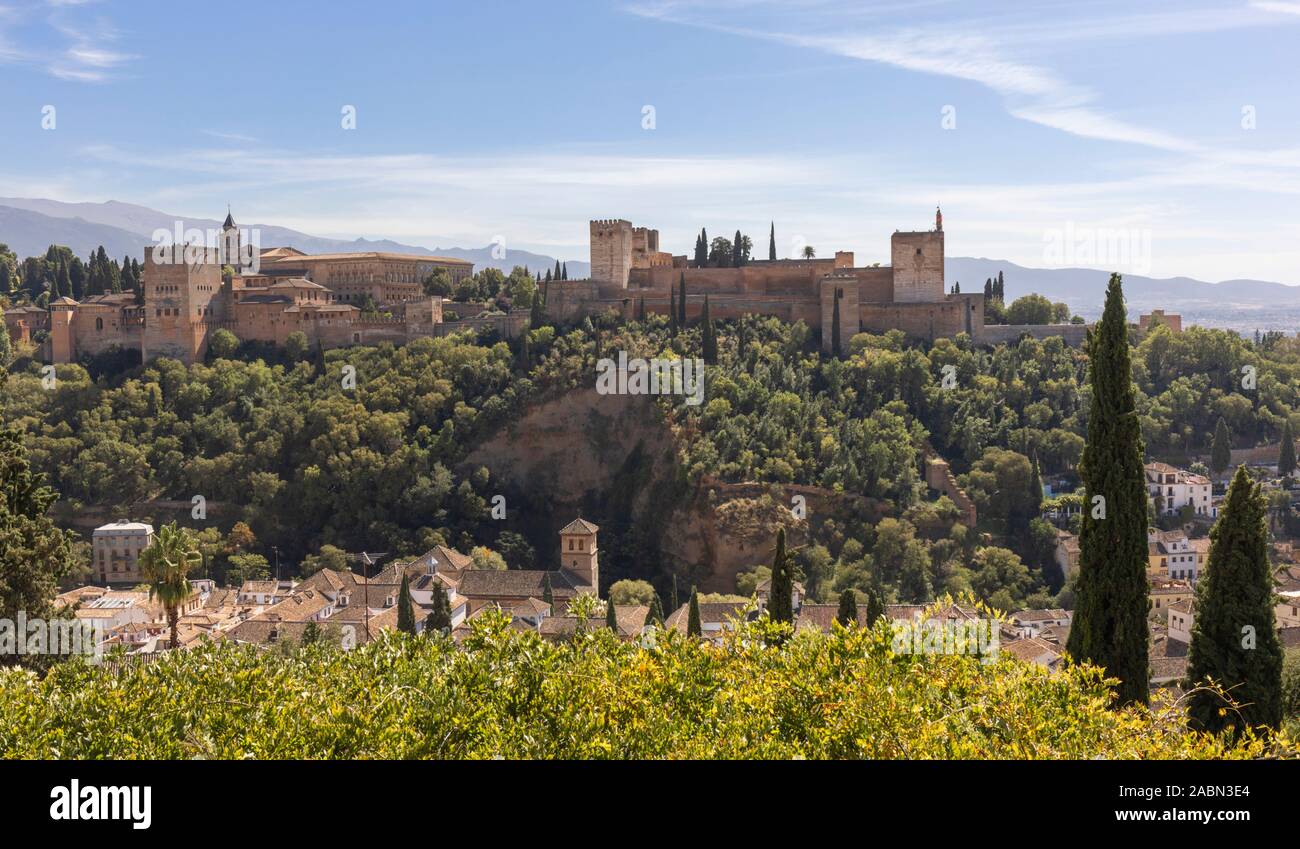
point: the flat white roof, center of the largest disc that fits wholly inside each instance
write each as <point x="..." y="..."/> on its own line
<point x="117" y="527"/>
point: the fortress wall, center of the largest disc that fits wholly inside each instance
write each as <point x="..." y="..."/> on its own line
<point x="875" y="285"/>
<point x="95" y="330"/>
<point x="758" y="278"/>
<point x="929" y="321"/>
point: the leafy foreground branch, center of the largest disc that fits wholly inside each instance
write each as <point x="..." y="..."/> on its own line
<point x="842" y="695"/>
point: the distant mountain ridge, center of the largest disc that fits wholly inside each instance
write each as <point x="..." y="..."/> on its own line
<point x="30" y="225"/>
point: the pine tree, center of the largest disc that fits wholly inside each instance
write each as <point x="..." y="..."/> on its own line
<point x="1111" y="607"/>
<point x="1234" y="635"/>
<point x="848" y="612"/>
<point x="835" y="325"/>
<point x="681" y="300"/>
<point x="780" y="604"/>
<point x="611" y="617"/>
<point x="693" y="627"/>
<point x="1221" y="452"/>
<point x="1286" y="453"/>
<point x="771" y="244"/>
<point x="405" y="608"/>
<point x="548" y="594"/>
<point x="709" y="337"/>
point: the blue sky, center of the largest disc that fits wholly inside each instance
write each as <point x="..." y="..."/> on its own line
<point x="524" y="120"/>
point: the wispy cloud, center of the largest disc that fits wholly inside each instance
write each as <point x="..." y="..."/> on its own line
<point x="86" y="52"/>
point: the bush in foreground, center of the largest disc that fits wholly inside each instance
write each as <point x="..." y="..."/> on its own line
<point x="842" y="695"/>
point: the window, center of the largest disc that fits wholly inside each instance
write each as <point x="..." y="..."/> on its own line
<point x="99" y="324"/>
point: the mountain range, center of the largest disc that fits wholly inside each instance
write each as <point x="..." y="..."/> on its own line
<point x="29" y="226"/>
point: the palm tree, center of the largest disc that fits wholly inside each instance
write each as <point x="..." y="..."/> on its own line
<point x="166" y="565"/>
<point x="809" y="252"/>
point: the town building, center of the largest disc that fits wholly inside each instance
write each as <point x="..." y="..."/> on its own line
<point x="1172" y="489"/>
<point x="1173" y="555"/>
<point x="115" y="551"/>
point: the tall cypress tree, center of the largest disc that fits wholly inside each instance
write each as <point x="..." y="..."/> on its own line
<point x="1035" y="489"/>
<point x="1286" y="454"/>
<point x="405" y="608"/>
<point x="780" y="603"/>
<point x="737" y="255"/>
<point x="1234" y="635"/>
<point x="672" y="312"/>
<point x="548" y="594"/>
<point x="439" y="619"/>
<point x="655" y="616"/>
<point x="875" y="607"/>
<point x="835" y="325"/>
<point x="674" y="596"/>
<point x="709" y="336"/>
<point x="611" y="617"/>
<point x="848" y="612"/>
<point x="640" y="309"/>
<point x="681" y="299"/>
<point x="1221" y="452"/>
<point x="1110" y="618"/>
<point x="693" y="627"/>
<point x="771" y="244"/>
<point x="564" y="271"/>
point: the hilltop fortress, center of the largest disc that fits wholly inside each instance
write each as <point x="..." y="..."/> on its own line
<point x="910" y="294"/>
<point x="320" y="295"/>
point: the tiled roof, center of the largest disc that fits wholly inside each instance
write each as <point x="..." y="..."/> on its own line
<point x="579" y="526"/>
<point x="513" y="583"/>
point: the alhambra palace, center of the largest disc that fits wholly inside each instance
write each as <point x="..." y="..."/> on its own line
<point x="319" y="295"/>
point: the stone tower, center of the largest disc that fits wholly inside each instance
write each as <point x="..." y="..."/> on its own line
<point x="232" y="254"/>
<point x="182" y="293"/>
<point x="917" y="259"/>
<point x="611" y="252"/>
<point x="62" y="311"/>
<point x="578" y="555"/>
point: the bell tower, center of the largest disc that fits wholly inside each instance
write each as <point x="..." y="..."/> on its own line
<point x="578" y="555"/>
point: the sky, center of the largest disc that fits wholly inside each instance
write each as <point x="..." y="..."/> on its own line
<point x="1049" y="133"/>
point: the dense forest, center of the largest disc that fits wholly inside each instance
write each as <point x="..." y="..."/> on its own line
<point x="310" y="464"/>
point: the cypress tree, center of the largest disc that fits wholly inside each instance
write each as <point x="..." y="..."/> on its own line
<point x="611" y="617"/>
<point x="848" y="612"/>
<point x="737" y="256"/>
<point x="710" y="339"/>
<point x="65" y="280"/>
<point x="548" y="276"/>
<point x="1110" y="618"/>
<point x="835" y="325"/>
<point x="1234" y="635"/>
<point x="674" y="597"/>
<point x="535" y="315"/>
<point x="681" y="299"/>
<point x="548" y="594"/>
<point x="405" y="608"/>
<point x="956" y="288"/>
<point x="780" y="605"/>
<point x="875" y="607"/>
<point x="672" y="312"/>
<point x="1001" y="288"/>
<point x="640" y="309"/>
<point x="655" y="616"/>
<point x="771" y="244"/>
<point x="693" y="627"/>
<point x="1035" y="489"/>
<point x="439" y="619"/>
<point x="564" y="271"/>
<point x="1286" y="454"/>
<point x="558" y="270"/>
<point x="988" y="289"/>
<point x="1221" y="452"/>
<point x="525" y="355"/>
<point x="6" y="279"/>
